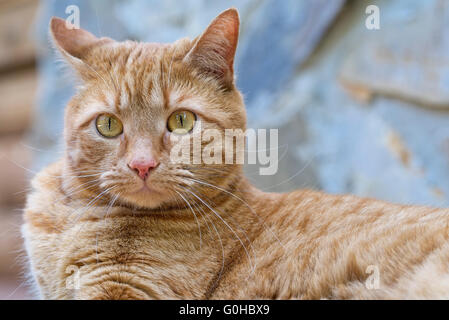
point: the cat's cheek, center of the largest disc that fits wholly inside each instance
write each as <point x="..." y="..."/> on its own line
<point x="80" y="149"/>
<point x="121" y="149"/>
<point x="168" y="140"/>
<point x="73" y="155"/>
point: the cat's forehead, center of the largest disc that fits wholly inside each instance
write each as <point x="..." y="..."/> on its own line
<point x="137" y="57"/>
<point x="143" y="74"/>
<point x="138" y="61"/>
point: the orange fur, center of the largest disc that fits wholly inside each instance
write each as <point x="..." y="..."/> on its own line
<point x="202" y="231"/>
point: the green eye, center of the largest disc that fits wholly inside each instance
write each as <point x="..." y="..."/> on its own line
<point x="181" y="122"/>
<point x="109" y="126"/>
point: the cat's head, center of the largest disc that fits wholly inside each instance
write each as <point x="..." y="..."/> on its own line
<point x="135" y="98"/>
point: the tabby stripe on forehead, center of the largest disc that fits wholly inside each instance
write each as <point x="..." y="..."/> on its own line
<point x="165" y="96"/>
<point x="165" y="93"/>
<point x="128" y="92"/>
<point x="118" y="98"/>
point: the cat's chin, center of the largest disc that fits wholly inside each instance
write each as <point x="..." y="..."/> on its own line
<point x="145" y="197"/>
<point x="145" y="190"/>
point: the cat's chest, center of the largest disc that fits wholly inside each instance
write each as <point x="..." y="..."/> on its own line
<point x="162" y="259"/>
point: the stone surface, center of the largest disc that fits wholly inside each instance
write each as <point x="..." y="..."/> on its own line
<point x="407" y="58"/>
<point x="280" y="36"/>
<point x="374" y="146"/>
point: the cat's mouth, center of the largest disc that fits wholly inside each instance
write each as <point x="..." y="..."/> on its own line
<point x="145" y="189"/>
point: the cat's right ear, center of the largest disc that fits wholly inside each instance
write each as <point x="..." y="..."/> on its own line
<point x="74" y="43"/>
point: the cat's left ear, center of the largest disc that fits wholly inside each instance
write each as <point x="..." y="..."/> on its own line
<point x="213" y="53"/>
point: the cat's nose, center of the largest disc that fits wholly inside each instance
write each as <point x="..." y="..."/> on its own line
<point x="143" y="166"/>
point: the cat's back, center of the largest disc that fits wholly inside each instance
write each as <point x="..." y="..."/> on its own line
<point x="315" y="245"/>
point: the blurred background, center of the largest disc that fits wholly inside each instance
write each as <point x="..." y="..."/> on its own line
<point x="358" y="111"/>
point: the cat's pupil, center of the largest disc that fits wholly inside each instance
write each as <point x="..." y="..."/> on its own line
<point x="109" y="123"/>
<point x="181" y="121"/>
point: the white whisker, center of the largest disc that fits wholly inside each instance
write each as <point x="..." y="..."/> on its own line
<point x="204" y="216"/>
<point x="226" y="224"/>
<point x="244" y="202"/>
<point x="196" y="218"/>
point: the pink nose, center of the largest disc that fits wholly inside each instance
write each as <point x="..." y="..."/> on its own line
<point x="143" y="166"/>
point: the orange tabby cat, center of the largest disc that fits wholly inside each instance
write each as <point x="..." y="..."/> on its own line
<point x="117" y="219"/>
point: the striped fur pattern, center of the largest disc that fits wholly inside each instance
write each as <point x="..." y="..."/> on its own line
<point x="202" y="231"/>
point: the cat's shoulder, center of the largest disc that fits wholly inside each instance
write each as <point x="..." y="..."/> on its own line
<point x="44" y="205"/>
<point x="48" y="178"/>
<point x="307" y="200"/>
<point x="314" y="198"/>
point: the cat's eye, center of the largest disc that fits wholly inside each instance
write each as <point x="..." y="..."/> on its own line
<point x="109" y="126"/>
<point x="181" y="122"/>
